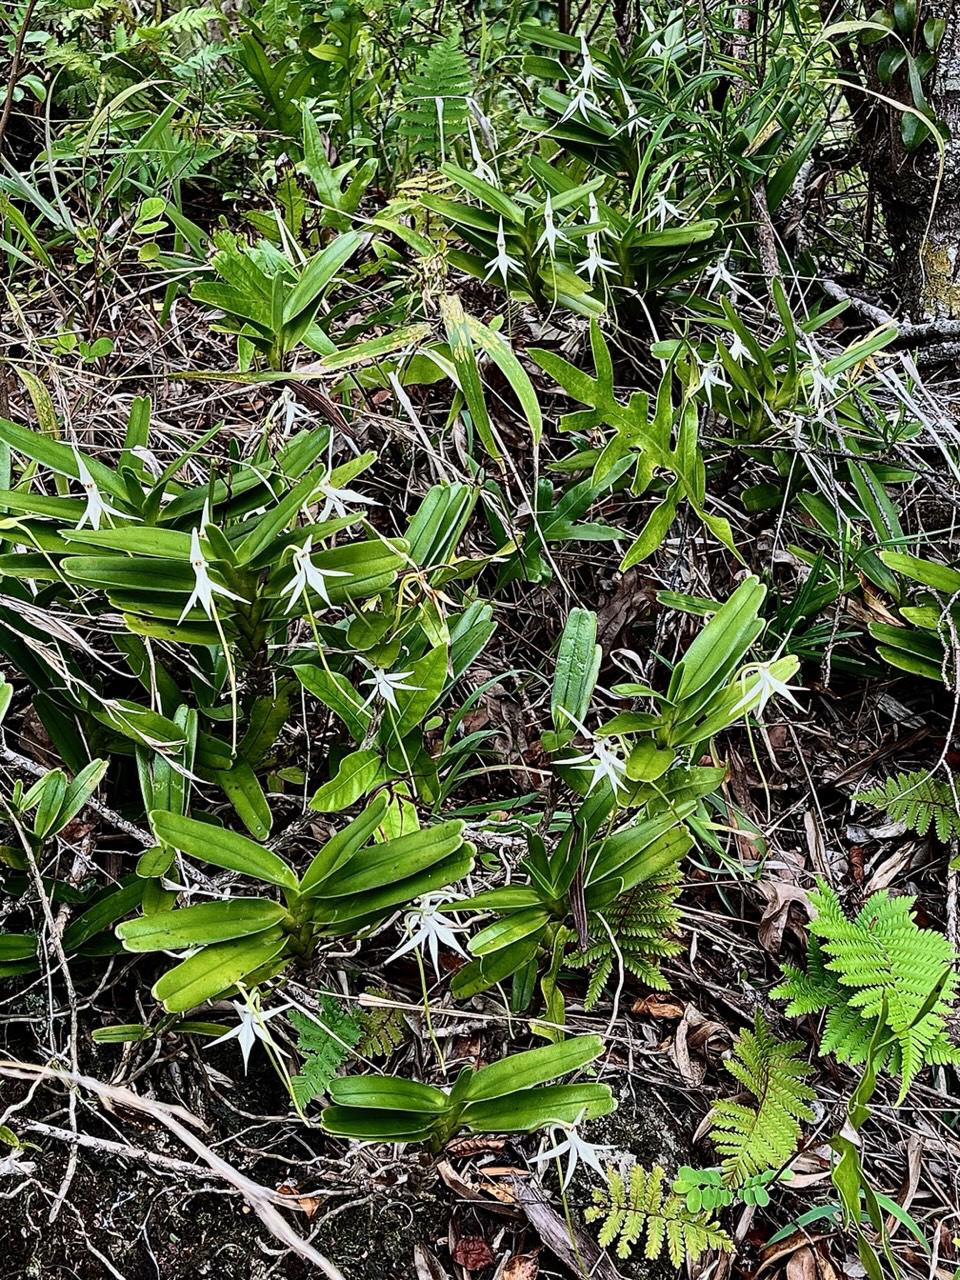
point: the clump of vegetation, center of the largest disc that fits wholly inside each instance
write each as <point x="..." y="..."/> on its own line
<point x="472" y="505"/>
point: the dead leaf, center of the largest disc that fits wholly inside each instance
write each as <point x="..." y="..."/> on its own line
<point x="698" y="1042"/>
<point x="802" y="1265"/>
<point x="469" y="1146"/>
<point x="779" y="896"/>
<point x="579" y="1253"/>
<point x="521" y="1266"/>
<point x="472" y="1252"/>
<point x="426" y="1265"/>
<point x="658" y="1006"/>
<point x="909" y="1187"/>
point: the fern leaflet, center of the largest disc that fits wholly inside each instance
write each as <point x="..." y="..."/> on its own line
<point x="761" y="1136"/>
<point x="879" y="968"/>
<point x="640" y="926"/>
<point x="435" y="99"/>
<point x="640" y="1205"/>
<point x="920" y="802"/>
<point x="325" y="1041"/>
<point x="382" y="1029"/>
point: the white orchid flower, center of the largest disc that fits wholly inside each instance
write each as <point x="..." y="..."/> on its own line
<point x="501" y="261"/>
<point x="385" y="685"/>
<point x="97" y="507"/>
<point x="567" y="1141"/>
<point x="251" y="1027"/>
<point x="307" y="576"/>
<point x="204" y="588"/>
<point x="429" y="929"/>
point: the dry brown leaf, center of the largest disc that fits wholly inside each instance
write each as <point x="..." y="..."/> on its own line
<point x="472" y="1252"/>
<point x="698" y="1042"/>
<point x="802" y="1265"/>
<point x="779" y="896"/>
<point x="658" y="1006"/>
<point x="521" y="1266"/>
<point x="909" y="1187"/>
<point x="786" y="1248"/>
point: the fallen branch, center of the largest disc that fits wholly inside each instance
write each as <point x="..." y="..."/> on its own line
<point x="177" y="1119"/>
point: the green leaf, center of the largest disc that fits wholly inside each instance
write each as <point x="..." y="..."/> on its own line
<point x="318" y="273"/>
<point x="467" y="373"/>
<point x="374" y="1125"/>
<point x="340" y="848"/>
<point x="532" y="1109"/>
<point x="499" y="351"/>
<point x="427" y="676"/>
<point x="200" y="925"/>
<point x="576" y="671"/>
<point x="536" y="1066"/>
<point x="110" y="907"/>
<point x="222" y="848"/>
<point x="243" y="790"/>
<point x="486" y="971"/>
<point x="214" y="969"/>
<point x="388" y="1093"/>
<point x="359" y="773"/>
<point x="338" y="694"/>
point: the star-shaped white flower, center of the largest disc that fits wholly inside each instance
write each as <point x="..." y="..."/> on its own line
<point x="501" y="261"/>
<point x="567" y="1141"/>
<point x="663" y="209"/>
<point x="204" y="587"/>
<point x="766" y="683"/>
<point x="428" y="929"/>
<point x="480" y="166"/>
<point x="336" y="500"/>
<point x="720" y="273"/>
<point x="551" y="235"/>
<point x="306" y="576"/>
<point x="385" y="685"/>
<point x="740" y="351"/>
<point x="251" y="1027"/>
<point x="605" y="758"/>
<point x="594" y="261"/>
<point x="711" y="376"/>
<point x="96" y="507"/>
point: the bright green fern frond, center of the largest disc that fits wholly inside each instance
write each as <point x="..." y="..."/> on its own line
<point x="639" y="1206"/>
<point x="880" y="966"/>
<point x="764" y="1135"/>
<point x="325" y="1042"/>
<point x="640" y="926"/>
<point x="435" y="109"/>
<point x="920" y="802"/>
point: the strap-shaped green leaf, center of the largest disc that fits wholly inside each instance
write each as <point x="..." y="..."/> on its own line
<point x="534" y="1108"/>
<point x="341" y="847"/>
<point x="209" y="972"/>
<point x="223" y="848"/>
<point x="200" y="925"/>
<point x="386" y="864"/>
<point x="388" y="1093"/>
<point x="374" y="1125"/>
<point x="536" y="1066"/>
<point x="577" y="668"/>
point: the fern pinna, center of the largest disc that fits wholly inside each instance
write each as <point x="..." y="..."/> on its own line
<point x="639" y="1205"/>
<point x="920" y="802"/>
<point x="325" y="1041"/>
<point x="763" y="1135"/>
<point x="638" y="930"/>
<point x="886" y="984"/>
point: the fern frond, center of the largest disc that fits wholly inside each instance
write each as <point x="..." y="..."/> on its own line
<point x="880" y="967"/>
<point x="435" y="107"/>
<point x="762" y="1136"/>
<point x="382" y="1030"/>
<point x="920" y="802"/>
<point x="642" y="924"/>
<point x="325" y="1042"/>
<point x="640" y="1206"/>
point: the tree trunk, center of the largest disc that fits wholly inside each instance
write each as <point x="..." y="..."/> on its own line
<point x="921" y="205"/>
